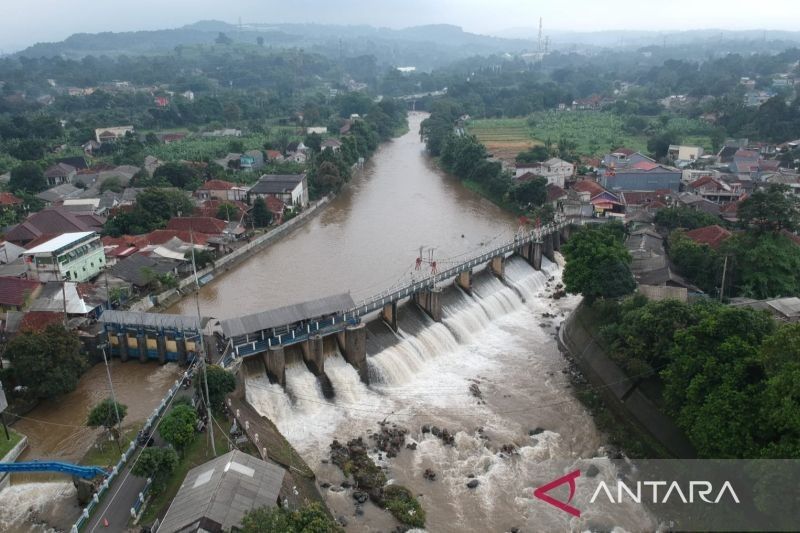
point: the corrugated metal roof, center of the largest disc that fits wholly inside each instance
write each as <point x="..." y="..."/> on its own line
<point x="134" y="318"/>
<point x="224" y="490"/>
<point x="290" y="314"/>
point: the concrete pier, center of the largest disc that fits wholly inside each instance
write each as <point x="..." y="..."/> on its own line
<point x="141" y="344"/>
<point x="557" y="241"/>
<point x="180" y="343"/>
<point x="122" y="342"/>
<point x="389" y="315"/>
<point x="536" y="257"/>
<point x="429" y="302"/>
<point x="355" y="350"/>
<point x="464" y="280"/>
<point x="498" y="266"/>
<point x="161" y="343"/>
<point x="275" y="364"/>
<point x="314" y="355"/>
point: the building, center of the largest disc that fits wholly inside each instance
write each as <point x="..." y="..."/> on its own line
<point x="556" y="170"/>
<point x="319" y="130"/>
<point x="679" y="152"/>
<point x="52" y="222"/>
<point x="16" y="293"/>
<point x="642" y="176"/>
<point x="712" y="236"/>
<point x="60" y="173"/>
<point x="251" y="160"/>
<point x="715" y="190"/>
<point x="59" y="193"/>
<point x="111" y="134"/>
<point x="623" y="157"/>
<point x="331" y="144"/>
<point x="291" y="189"/>
<point x="215" y="496"/>
<point x="73" y="256"/>
<point x="221" y="190"/>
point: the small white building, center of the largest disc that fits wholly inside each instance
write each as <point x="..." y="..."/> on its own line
<point x="291" y="189"/>
<point x="71" y="256"/>
<point x="555" y="170"/>
<point x="112" y="133"/>
<point x="679" y="152"/>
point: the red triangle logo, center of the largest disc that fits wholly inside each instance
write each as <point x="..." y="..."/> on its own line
<point x="542" y="491"/>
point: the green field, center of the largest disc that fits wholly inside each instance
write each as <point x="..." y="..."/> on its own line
<point x="593" y="132"/>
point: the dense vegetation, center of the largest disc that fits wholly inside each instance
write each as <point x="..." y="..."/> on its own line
<point x="309" y="519"/>
<point x="729" y="374"/>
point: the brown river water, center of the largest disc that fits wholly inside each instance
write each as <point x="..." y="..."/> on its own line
<point x="498" y="338"/>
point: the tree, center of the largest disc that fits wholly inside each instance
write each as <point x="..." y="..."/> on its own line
<point x="178" y="175"/>
<point x="530" y="192"/>
<point x="262" y="217"/>
<point x="684" y="217"/>
<point x="534" y="155"/>
<point x="754" y="277"/>
<point x="28" y="177"/>
<point x="658" y="145"/>
<point x="773" y="209"/>
<point x="309" y="519"/>
<point x="108" y="414"/>
<point x="597" y="264"/>
<point x="112" y="183"/>
<point x="699" y="263"/>
<point x="313" y="141"/>
<point x="220" y="383"/>
<point x="156" y="464"/>
<point x="178" y="426"/>
<point x="202" y="258"/>
<point x="260" y="40"/>
<point x="48" y="363"/>
<point x="227" y="211"/>
<point x="223" y="39"/>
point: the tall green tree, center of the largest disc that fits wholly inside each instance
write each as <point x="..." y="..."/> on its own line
<point x="28" y="177"/>
<point x="771" y="209"/>
<point x="220" y="383"/>
<point x="48" y="363"/>
<point x="178" y="426"/>
<point x="597" y="264"/>
<point x="156" y="464"/>
<point x="109" y="415"/>
<point x="262" y="217"/>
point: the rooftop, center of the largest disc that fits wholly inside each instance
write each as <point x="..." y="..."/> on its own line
<point x="222" y="491"/>
<point x="57" y="243"/>
<point x="713" y="236"/>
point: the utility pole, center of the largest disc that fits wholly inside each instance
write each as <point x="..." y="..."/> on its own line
<point x="202" y="348"/>
<point x="113" y="397"/>
<point x="724" y="272"/>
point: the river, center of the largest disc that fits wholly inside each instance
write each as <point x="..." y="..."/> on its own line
<point x="500" y="338"/>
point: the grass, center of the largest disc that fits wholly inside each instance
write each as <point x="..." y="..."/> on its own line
<point x="106" y="453"/>
<point x="197" y="453"/>
<point x="6" y="445"/>
<point x="593" y="132"/>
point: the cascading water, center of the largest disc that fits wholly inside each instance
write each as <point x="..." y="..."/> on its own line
<point x="490" y="339"/>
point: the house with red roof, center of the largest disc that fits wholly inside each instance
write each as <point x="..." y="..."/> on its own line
<point x="207" y="225"/>
<point x="36" y="321"/>
<point x="712" y="236"/>
<point x="210" y="208"/>
<point x="17" y="293"/>
<point x="715" y="190"/>
<point x="8" y="200"/>
<point x="222" y="190"/>
<point x="53" y="221"/>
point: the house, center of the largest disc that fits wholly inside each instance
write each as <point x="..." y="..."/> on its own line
<point x="169" y="138"/>
<point x="9" y="252"/>
<point x="274" y="155"/>
<point x="251" y="160"/>
<point x="228" y="132"/>
<point x="679" y="152"/>
<point x="636" y="201"/>
<point x="211" y="207"/>
<point x="642" y="176"/>
<point x="89" y="147"/>
<point x="319" y="130"/>
<point x="291" y="189"/>
<point x="607" y="204"/>
<point x="59" y="173"/>
<point x="331" y="144"/>
<point x="784" y="309"/>
<point x="758" y="98"/>
<point x="555" y="195"/>
<point x="715" y="190"/>
<point x="161" y="101"/>
<point x="139" y="269"/>
<point x="232" y="160"/>
<point x="215" y="496"/>
<point x="78" y="163"/>
<point x="221" y="190"/>
<point x="555" y="170"/>
<point x="207" y="225"/>
<point x="53" y="221"/>
<point x="651" y="269"/>
<point x="151" y="164"/>
<point x="51" y="299"/>
<point x="16" y="293"/>
<point x="111" y="134"/>
<point x="276" y="207"/>
<point x="592" y="103"/>
<point x="698" y="203"/>
<point x="58" y="194"/>
<point x="9" y="201"/>
<point x="623" y="157"/>
<point x="73" y="256"/>
<point x="712" y="236"/>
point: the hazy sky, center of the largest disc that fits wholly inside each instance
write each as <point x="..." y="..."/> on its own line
<point x="24" y="22"/>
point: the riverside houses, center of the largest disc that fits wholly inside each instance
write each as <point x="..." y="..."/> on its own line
<point x="73" y="256"/>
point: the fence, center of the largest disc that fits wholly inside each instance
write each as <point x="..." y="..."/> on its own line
<point x="120" y="466"/>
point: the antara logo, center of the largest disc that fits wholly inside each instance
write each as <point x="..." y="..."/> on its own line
<point x="696" y="490"/>
<point x="542" y="491"/>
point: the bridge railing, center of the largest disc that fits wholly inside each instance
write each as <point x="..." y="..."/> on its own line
<point x="374" y="303"/>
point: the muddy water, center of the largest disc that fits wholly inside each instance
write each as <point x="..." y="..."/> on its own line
<point x="56" y="430"/>
<point x="367" y="238"/>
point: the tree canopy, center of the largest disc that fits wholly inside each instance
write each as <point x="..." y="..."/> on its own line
<point x="48" y="363"/>
<point x="28" y="177"/>
<point x="220" y="383"/>
<point x="105" y="414"/>
<point x="597" y="263"/>
<point x="156" y="463"/>
<point x="309" y="519"/>
<point x="178" y="426"/>
<point x="771" y="209"/>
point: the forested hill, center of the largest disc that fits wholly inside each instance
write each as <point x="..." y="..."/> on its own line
<point x="425" y="47"/>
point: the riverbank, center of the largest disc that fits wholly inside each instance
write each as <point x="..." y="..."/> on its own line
<point x="619" y="405"/>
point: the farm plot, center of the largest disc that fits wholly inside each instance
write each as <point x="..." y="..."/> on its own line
<point x="503" y="138"/>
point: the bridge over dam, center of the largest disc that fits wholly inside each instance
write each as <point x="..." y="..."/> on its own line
<point x="311" y="330"/>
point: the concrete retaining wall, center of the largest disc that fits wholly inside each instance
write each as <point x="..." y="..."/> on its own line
<point x="620" y="393"/>
<point x="11" y="457"/>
